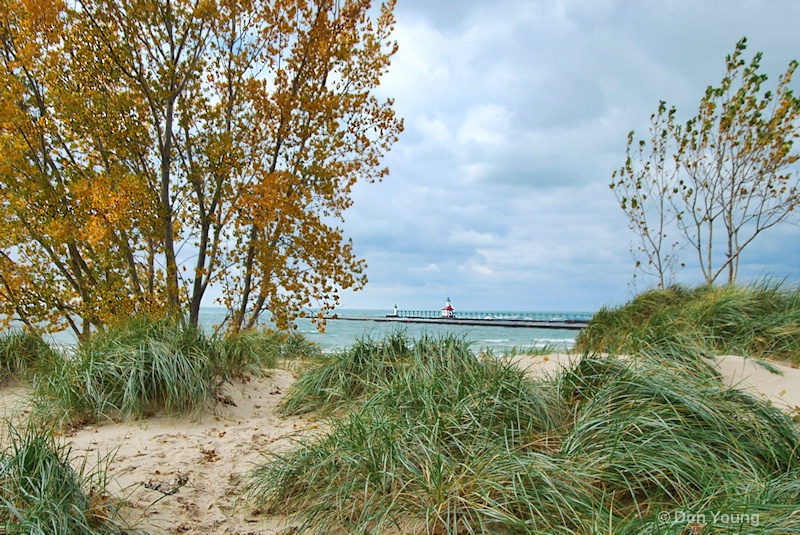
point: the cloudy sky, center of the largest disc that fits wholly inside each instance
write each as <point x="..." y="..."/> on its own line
<point x="516" y="114"/>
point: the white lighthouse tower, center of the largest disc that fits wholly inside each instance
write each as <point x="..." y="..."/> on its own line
<point x="448" y="311"/>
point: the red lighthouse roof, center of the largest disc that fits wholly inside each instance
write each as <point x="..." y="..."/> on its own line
<point x="447" y="311"/>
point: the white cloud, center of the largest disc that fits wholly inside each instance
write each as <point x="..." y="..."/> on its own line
<point x="470" y="237"/>
<point x="485" y="124"/>
<point x="434" y="131"/>
<point x="430" y="268"/>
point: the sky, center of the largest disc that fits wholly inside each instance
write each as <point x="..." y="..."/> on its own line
<point x="516" y="114"/>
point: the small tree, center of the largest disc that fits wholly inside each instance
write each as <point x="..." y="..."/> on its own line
<point x="737" y="159"/>
<point x="645" y="187"/>
<point x="730" y="174"/>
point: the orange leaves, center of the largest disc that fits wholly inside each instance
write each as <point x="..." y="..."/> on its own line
<point x="105" y="204"/>
<point x="320" y="132"/>
<point x="228" y="131"/>
<point x="45" y="16"/>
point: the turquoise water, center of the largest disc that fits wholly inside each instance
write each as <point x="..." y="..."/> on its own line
<point x="340" y="334"/>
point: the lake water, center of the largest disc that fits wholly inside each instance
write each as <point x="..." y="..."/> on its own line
<point x="340" y="334"/>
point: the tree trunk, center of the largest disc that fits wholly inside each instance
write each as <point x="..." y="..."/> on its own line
<point x="173" y="295"/>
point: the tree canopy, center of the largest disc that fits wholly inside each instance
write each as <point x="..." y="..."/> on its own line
<point x="153" y="148"/>
<point x="715" y="183"/>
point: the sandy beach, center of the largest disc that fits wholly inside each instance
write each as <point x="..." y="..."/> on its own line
<point x="184" y="475"/>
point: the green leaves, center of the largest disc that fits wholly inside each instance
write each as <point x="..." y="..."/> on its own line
<point x="732" y="177"/>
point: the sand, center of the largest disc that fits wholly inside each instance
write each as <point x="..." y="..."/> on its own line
<point x="183" y="475"/>
<point x="782" y="389"/>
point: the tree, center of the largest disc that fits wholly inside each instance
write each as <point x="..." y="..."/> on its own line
<point x="71" y="213"/>
<point x="734" y="169"/>
<point x="644" y="187"/>
<point x="217" y="140"/>
<point x="737" y="157"/>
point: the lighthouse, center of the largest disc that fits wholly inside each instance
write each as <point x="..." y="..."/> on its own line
<point x="448" y="311"/>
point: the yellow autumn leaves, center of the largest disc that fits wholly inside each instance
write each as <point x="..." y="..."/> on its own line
<point x="152" y="149"/>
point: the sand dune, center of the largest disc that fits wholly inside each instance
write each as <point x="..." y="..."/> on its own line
<point x="184" y="475"/>
<point x="782" y="389"/>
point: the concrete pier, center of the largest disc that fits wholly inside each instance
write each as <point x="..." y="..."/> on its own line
<point x="485" y="321"/>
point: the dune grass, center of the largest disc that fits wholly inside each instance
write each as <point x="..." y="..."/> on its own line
<point x="22" y="354"/>
<point x="337" y="380"/>
<point x="427" y="437"/>
<point x="43" y="493"/>
<point x="142" y="366"/>
<point x="136" y="367"/>
<point x="130" y="371"/>
<point x="761" y="320"/>
<point x="249" y="352"/>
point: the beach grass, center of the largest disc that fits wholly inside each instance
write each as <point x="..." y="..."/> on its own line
<point x="427" y="437"/>
<point x="636" y="434"/>
<point x="134" y="369"/>
<point x="22" y="354"/>
<point x="333" y="381"/>
<point x="142" y="366"/>
<point x="549" y="348"/>
<point x="760" y="321"/>
<point x="45" y="491"/>
<point x="248" y="352"/>
<point x="137" y="367"/>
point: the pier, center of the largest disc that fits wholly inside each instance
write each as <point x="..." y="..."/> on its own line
<point x="482" y="319"/>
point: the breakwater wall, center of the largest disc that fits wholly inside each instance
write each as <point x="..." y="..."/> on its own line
<point x="530" y="321"/>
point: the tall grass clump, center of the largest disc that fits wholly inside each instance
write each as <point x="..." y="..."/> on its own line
<point x="443" y="441"/>
<point x="686" y="436"/>
<point x="334" y="380"/>
<point x="761" y="320"/>
<point x="42" y="493"/>
<point x="298" y="347"/>
<point x="23" y="353"/>
<point x="135" y="368"/>
<point x="424" y="445"/>
<point x="144" y="365"/>
<point x="250" y="352"/>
